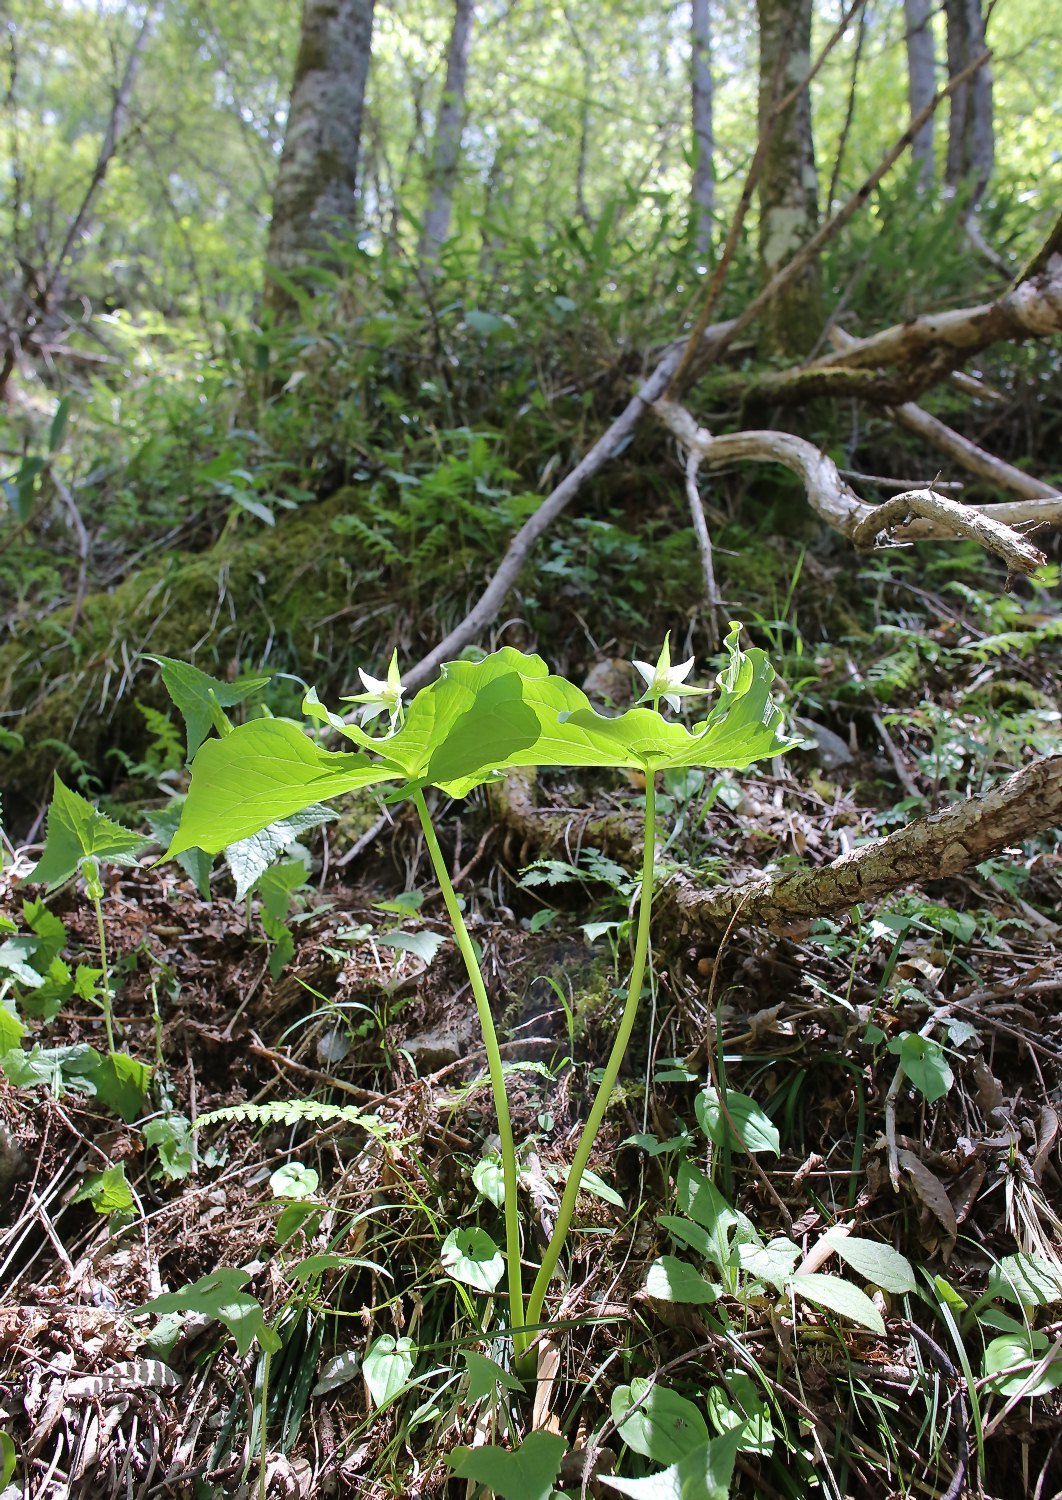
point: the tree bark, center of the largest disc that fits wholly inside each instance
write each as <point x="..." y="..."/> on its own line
<point x="788" y="188"/>
<point x="921" y="80"/>
<point x="446" y="150"/>
<point x="702" y="197"/>
<point x="932" y="848"/>
<point x="971" y="135"/>
<point x="315" y="196"/>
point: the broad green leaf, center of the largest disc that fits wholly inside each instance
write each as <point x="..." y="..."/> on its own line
<point x="219" y="1296"/>
<point x="294" y="1180"/>
<point x="121" y="1083"/>
<point x="76" y="831"/>
<point x="195" y="863"/>
<point x="50" y="932"/>
<point x="387" y="1368"/>
<point x="57" y="430"/>
<point x="703" y="1474"/>
<point x="664" y="1426"/>
<point x="171" y="1135"/>
<point x="1028" y="1280"/>
<point x="277" y="886"/>
<point x="879" y="1264"/>
<point x="15" y="955"/>
<point x="756" y="1131"/>
<point x="750" y="1413"/>
<point x="11" y="1029"/>
<point x="260" y="773"/>
<point x="702" y="1201"/>
<point x="689" y="1234"/>
<point x="528" y="1473"/>
<point x="471" y="1257"/>
<point x="596" y="1186"/>
<point x="924" y="1064"/>
<point x="773" y="1262"/>
<point x="485" y="1375"/>
<point x="108" y="1191"/>
<point x="840" y="1297"/>
<point x="8" y="1458"/>
<point x="1010" y="1359"/>
<point x="489" y="1180"/>
<point x="198" y="696"/>
<point x="423" y="945"/>
<point x="672" y="1280"/>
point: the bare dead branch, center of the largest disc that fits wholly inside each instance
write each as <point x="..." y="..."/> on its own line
<point x="977" y="461"/>
<point x="931" y="848"/>
<point x="918" y="515"/>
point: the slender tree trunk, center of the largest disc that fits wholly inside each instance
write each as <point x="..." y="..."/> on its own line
<point x="703" y="193"/>
<point x="315" y="195"/>
<point x="971" y="132"/>
<point x="446" y="151"/>
<point x="921" y="80"/>
<point x="788" y="189"/>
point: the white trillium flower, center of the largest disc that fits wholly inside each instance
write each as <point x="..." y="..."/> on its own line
<point x="667" y="681"/>
<point x="383" y="695"/>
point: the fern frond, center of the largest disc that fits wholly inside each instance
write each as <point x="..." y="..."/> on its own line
<point x="293" y="1112"/>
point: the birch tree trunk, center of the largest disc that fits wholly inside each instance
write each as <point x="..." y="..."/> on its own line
<point x="971" y="132"/>
<point x="921" y="80"/>
<point x="315" y="195"/>
<point x="446" y="150"/>
<point x="788" y="189"/>
<point x="702" y="197"/>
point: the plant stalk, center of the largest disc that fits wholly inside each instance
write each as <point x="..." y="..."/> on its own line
<point x="105" y="973"/>
<point x="497" y="1076"/>
<point x="615" y="1061"/>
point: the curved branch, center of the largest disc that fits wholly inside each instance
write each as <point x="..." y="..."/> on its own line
<point x="930" y="848"/>
<point x="931" y="516"/>
<point x="975" y="460"/>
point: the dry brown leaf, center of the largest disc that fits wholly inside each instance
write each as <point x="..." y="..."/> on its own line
<point x="932" y="1195"/>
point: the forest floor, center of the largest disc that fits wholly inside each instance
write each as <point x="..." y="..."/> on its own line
<point x="100" y="1402"/>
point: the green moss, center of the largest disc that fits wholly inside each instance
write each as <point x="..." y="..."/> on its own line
<point x="280" y="598"/>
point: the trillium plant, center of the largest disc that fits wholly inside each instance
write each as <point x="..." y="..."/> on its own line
<point x="475" y="722"/>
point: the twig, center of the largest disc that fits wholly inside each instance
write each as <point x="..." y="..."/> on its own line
<point x="704" y="545"/>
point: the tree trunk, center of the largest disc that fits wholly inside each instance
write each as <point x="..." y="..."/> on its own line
<point x="971" y="135"/>
<point x="446" y="150"/>
<point x="921" y="80"/>
<point x="315" y="194"/>
<point x="788" y="189"/>
<point x="702" y="196"/>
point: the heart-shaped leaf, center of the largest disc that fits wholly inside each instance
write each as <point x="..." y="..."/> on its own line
<point x="471" y="1257"/>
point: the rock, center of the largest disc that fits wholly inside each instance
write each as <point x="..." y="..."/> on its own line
<point x="441" y="1045"/>
<point x="828" y="748"/>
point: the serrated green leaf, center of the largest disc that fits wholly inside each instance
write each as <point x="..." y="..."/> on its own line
<point x="840" y="1297"/>
<point x="387" y="1367"/>
<point x="219" y="1296"/>
<point x="773" y="1262"/>
<point x="76" y="831"/>
<point x="755" y="1130"/>
<point x="250" y="858"/>
<point x="664" y="1426"/>
<point x="198" y="696"/>
<point x="528" y="1473"/>
<point x="121" y="1083"/>
<point x="423" y="945"/>
<point x="471" y="1257"/>
<point x="108" y="1191"/>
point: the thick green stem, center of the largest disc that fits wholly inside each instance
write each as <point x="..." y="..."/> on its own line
<point x="497" y="1076"/>
<point x="615" y="1061"/>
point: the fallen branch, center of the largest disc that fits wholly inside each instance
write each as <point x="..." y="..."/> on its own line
<point x="977" y="461"/>
<point x="916" y="515"/>
<point x="931" y="848"/>
<point x="902" y="361"/>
